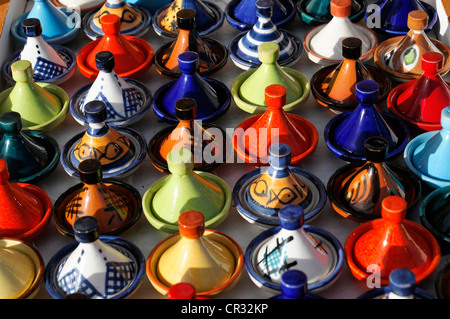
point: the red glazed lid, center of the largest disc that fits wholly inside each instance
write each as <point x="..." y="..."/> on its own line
<point x="341" y="8"/>
<point x="183" y="290"/>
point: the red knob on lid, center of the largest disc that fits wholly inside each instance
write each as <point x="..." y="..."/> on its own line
<point x="182" y="290"/>
<point x="4" y="174"/>
<point x="110" y="24"/>
<point x="341" y="8"/>
<point x="191" y="224"/>
<point x="394" y="209"/>
<point x="275" y="96"/>
<point x="432" y="62"/>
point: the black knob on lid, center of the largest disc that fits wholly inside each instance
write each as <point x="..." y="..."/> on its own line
<point x="86" y="229"/>
<point x="351" y="48"/>
<point x="376" y="149"/>
<point x="95" y="111"/>
<point x="90" y="171"/>
<point x="185" y="109"/>
<point x="104" y="61"/>
<point x="31" y="27"/>
<point x="186" y="19"/>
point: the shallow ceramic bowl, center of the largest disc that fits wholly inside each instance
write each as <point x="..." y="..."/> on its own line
<point x="432" y="212"/>
<point x="355" y="16"/>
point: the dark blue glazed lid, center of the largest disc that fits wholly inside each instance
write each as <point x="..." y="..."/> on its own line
<point x="86" y="229"/>
<point x="105" y="61"/>
<point x="32" y="27"/>
<point x="293" y="284"/>
<point x="291" y="217"/>
<point x="280" y="156"/>
<point x="188" y="62"/>
<point x="367" y="92"/>
<point x="402" y="282"/>
<point x="10" y="122"/>
<point x="95" y="111"/>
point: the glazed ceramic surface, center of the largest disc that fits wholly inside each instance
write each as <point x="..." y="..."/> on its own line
<point x="434" y="213"/>
<point x="294" y="285"/>
<point x="83" y="5"/>
<point x="152" y="6"/>
<point x="315" y="12"/>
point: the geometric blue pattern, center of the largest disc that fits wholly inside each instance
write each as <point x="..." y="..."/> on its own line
<point x="44" y="69"/>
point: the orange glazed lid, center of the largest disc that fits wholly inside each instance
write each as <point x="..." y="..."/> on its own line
<point x="341" y="8"/>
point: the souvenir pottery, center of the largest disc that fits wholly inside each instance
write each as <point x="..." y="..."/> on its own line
<point x="241" y="14"/>
<point x="212" y="96"/>
<point x="26" y="209"/>
<point x="346" y="133"/>
<point x="209" y="17"/>
<point x="120" y="150"/>
<point x="442" y="283"/>
<point x="334" y="86"/>
<point x="51" y="63"/>
<point x="390" y="17"/>
<point x="317" y="12"/>
<point x="99" y="267"/>
<point x="324" y="43"/>
<point x="115" y="205"/>
<point x="42" y="106"/>
<point x="134" y="20"/>
<point x="203" y="139"/>
<point x="184" y="189"/>
<point x="402" y="285"/>
<point x="151" y="6"/>
<point x="253" y="137"/>
<point x="83" y="5"/>
<point x="212" y="54"/>
<point x="379" y="246"/>
<point x="127" y="100"/>
<point x="357" y="190"/>
<point x="30" y="156"/>
<point x="261" y="193"/>
<point x="248" y="88"/>
<point x="59" y="25"/>
<point x="21" y="269"/>
<point x="208" y="259"/>
<point x="420" y="102"/>
<point x="133" y="55"/>
<point x="183" y="290"/>
<point x="244" y="47"/>
<point x="293" y="285"/>
<point x="426" y="155"/>
<point x="401" y="57"/>
<point x="294" y="245"/>
<point x="435" y="212"/>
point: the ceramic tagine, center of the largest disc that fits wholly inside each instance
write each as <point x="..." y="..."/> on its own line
<point x="294" y="245"/>
<point x="133" y="55"/>
<point x="253" y="137"/>
<point x="401" y="57"/>
<point x="151" y="6"/>
<point x="213" y="55"/>
<point x="127" y="100"/>
<point x="248" y="88"/>
<point x="334" y="86"/>
<point x="184" y="189"/>
<point x="120" y="150"/>
<point x="99" y="267"/>
<point x="115" y="205"/>
<point x="30" y="156"/>
<point x="377" y="247"/>
<point x="244" y="47"/>
<point x="135" y="20"/>
<point x="210" y="17"/>
<point x="420" y="102"/>
<point x="294" y="285"/>
<point x="260" y="194"/>
<point x="357" y="190"/>
<point x="208" y="259"/>
<point x="212" y="96"/>
<point x="317" y="12"/>
<point x="83" y="6"/>
<point x="51" y="63"/>
<point x="206" y="141"/>
<point x="26" y="208"/>
<point x="434" y="213"/>
<point x="324" y="43"/>
<point x="346" y="133"/>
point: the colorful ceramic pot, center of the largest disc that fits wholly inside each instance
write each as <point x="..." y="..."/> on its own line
<point x="378" y="247"/>
<point x="294" y="285"/>
<point x="260" y="194"/>
<point x="294" y="245"/>
<point x="442" y="283"/>
<point x="83" y="6"/>
<point x="346" y="133"/>
<point x="99" y="267"/>
<point x="218" y="258"/>
<point x="317" y="12"/>
<point x="151" y="6"/>
<point x="434" y="212"/>
<point x="248" y="88"/>
<point x="127" y="100"/>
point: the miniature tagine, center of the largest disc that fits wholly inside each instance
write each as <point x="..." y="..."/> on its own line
<point x="357" y="190"/>
<point x="377" y="247"/>
<point x="115" y="205"/>
<point x="275" y="124"/>
<point x="213" y="55"/>
<point x="203" y="139"/>
<point x="294" y="285"/>
<point x="346" y="133"/>
<point x="244" y="47"/>
<point x="401" y="57"/>
<point x="184" y="189"/>
<point x="127" y="100"/>
<point x="241" y="14"/>
<point x="120" y="150"/>
<point x="30" y="156"/>
<point x="99" y="267"/>
<point x="293" y="245"/>
<point x="26" y="209"/>
<point x="42" y="106"/>
<point x="21" y="269"/>
<point x="426" y="155"/>
<point x="51" y="63"/>
<point x="133" y="55"/>
<point x="210" y="17"/>
<point x="217" y="258"/>
<point x="420" y="102"/>
<point x="317" y="12"/>
<point x="435" y="212"/>
<point x="324" y="43"/>
<point x="83" y="5"/>
<point x="261" y="193"/>
<point x="334" y="86"/>
<point x="248" y="88"/>
<point x="212" y="96"/>
<point x="135" y="20"/>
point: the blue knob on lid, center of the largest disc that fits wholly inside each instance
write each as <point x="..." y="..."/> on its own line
<point x="86" y="229"/>
<point x="367" y="92"/>
<point x="188" y="62"/>
<point x="31" y="27"/>
<point x="293" y="284"/>
<point x="264" y="8"/>
<point x="402" y="282"/>
<point x="280" y="155"/>
<point x="95" y="111"/>
<point x="291" y="217"/>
